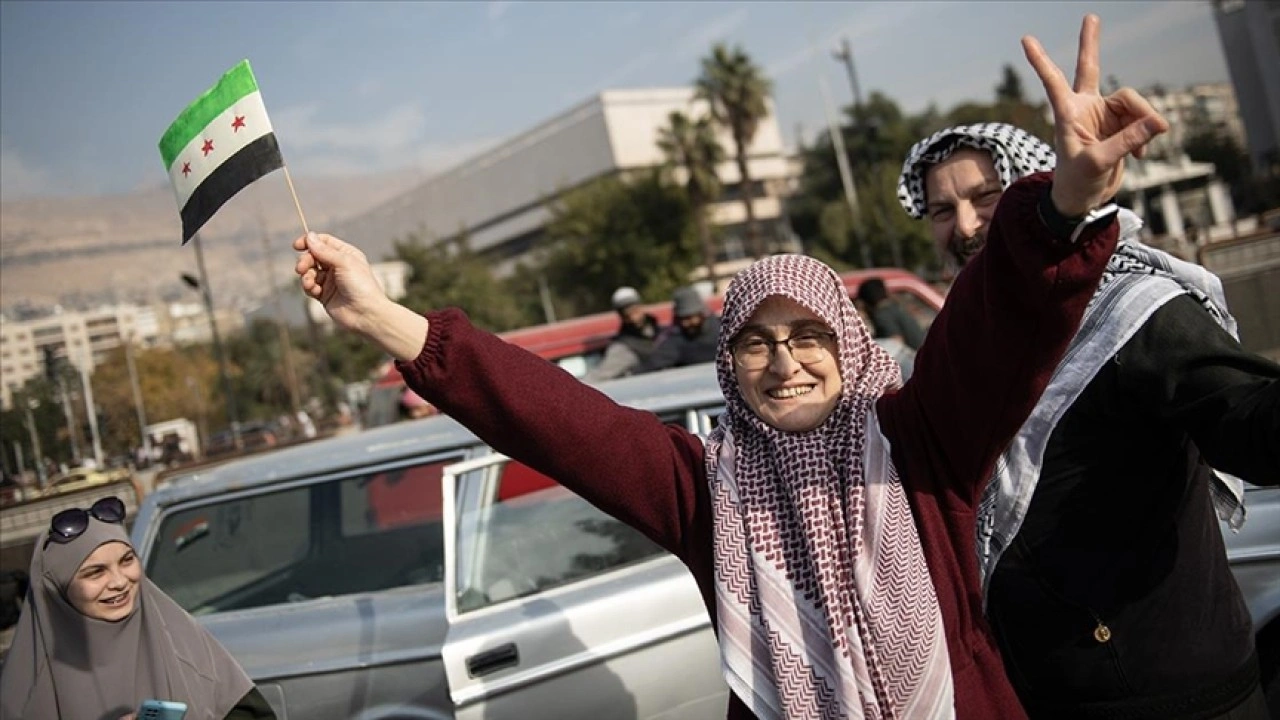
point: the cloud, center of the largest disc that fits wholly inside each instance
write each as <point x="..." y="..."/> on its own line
<point x="306" y="127"/>
<point x="495" y="10"/>
<point x="626" y="20"/>
<point x="393" y="140"/>
<point x="631" y="67"/>
<point x="1137" y="31"/>
<point x="867" y="28"/>
<point x="433" y="158"/>
<point x="691" y="45"/>
<point x="20" y="177"/>
<point x="700" y="39"/>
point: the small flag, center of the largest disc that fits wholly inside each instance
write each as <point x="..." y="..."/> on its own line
<point x="222" y="142"/>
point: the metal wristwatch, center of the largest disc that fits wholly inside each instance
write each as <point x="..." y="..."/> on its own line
<point x="1071" y="228"/>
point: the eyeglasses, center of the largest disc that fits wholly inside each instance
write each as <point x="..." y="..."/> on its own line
<point x="807" y="347"/>
<point x="71" y="524"/>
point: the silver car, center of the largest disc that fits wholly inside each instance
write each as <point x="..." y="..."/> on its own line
<point x="410" y="572"/>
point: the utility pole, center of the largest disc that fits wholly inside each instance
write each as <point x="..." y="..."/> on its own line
<point x="30" y="404"/>
<point x="544" y="293"/>
<point x="72" y="433"/>
<point x="55" y="369"/>
<point x="137" y="397"/>
<point x="282" y="329"/>
<point x="322" y="357"/>
<point x="90" y="408"/>
<point x="846" y="176"/>
<point x="845" y="55"/>
<point x="203" y="286"/>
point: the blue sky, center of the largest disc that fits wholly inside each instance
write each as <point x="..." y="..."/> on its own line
<point x="87" y="88"/>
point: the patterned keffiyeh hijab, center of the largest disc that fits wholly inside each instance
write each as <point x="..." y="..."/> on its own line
<point x="1015" y="153"/>
<point x="824" y="601"/>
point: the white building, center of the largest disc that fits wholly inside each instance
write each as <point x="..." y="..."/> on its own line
<point x="502" y="197"/>
<point x="1195" y="109"/>
<point x="187" y="323"/>
<point x="392" y="275"/>
<point x="1173" y="198"/>
<point x="83" y="338"/>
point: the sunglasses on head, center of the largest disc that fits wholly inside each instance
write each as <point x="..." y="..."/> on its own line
<point x="71" y="524"/>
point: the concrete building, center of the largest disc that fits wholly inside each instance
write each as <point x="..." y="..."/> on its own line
<point x="1192" y="110"/>
<point x="1181" y="202"/>
<point x="294" y="306"/>
<point x="1250" y="34"/>
<point x="186" y="323"/>
<point x="502" y="197"/>
<point x="83" y="338"/>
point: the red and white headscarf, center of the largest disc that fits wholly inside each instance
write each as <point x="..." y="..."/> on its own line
<point x="824" y="601"/>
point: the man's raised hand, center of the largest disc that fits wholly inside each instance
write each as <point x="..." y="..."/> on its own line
<point x="1093" y="133"/>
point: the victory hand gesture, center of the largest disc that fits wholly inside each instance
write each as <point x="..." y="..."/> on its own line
<point x="1093" y="133"/>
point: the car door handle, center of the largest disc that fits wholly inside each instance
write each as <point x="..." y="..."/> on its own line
<point x="499" y="658"/>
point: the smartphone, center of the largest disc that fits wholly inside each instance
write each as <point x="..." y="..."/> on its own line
<point x="162" y="710"/>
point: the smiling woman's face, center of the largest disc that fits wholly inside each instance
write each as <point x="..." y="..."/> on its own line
<point x="106" y="585"/>
<point x="786" y="394"/>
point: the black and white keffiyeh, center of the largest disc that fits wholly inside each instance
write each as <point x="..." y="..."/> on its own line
<point x="1015" y="153"/>
<point x="1138" y="280"/>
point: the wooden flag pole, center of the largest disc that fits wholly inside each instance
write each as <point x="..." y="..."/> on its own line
<point x="289" y="179"/>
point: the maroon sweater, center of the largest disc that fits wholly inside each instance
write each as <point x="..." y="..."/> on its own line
<point x="988" y="355"/>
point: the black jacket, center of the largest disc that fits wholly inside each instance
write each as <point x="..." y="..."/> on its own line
<point x="1115" y="598"/>
<point x="674" y="349"/>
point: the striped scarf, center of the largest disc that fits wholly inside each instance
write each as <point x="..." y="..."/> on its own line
<point x="825" y="606"/>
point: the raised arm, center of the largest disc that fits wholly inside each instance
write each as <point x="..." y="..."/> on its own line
<point x="1014" y="309"/>
<point x="623" y="461"/>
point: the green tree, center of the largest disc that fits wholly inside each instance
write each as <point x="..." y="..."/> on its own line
<point x="876" y="138"/>
<point x="1010" y="87"/>
<point x="40" y="397"/>
<point x="737" y="91"/>
<point x="173" y="382"/>
<point x="1212" y="146"/>
<point x="450" y="274"/>
<point x="692" y="146"/>
<point x="637" y="231"/>
<point x="259" y="374"/>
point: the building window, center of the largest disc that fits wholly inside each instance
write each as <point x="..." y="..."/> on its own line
<point x="733" y="248"/>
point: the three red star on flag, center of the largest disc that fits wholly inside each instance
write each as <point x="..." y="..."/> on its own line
<point x="237" y="123"/>
<point x="186" y="169"/>
<point x="207" y="147"/>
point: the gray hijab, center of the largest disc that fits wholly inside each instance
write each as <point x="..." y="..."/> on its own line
<point x="64" y="665"/>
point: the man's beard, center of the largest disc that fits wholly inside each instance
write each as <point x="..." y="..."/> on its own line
<point x="962" y="250"/>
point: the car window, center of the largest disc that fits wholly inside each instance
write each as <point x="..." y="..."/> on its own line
<point x="534" y="535"/>
<point x="922" y="312"/>
<point x="363" y="533"/>
<point x="207" y="557"/>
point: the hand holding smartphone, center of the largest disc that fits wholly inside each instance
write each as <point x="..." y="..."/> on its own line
<point x="162" y="710"/>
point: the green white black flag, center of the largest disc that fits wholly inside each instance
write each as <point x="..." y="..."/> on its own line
<point x="222" y="142"/>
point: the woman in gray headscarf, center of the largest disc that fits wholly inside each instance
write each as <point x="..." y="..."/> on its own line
<point x="96" y="637"/>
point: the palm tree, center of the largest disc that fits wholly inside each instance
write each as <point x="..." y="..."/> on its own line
<point x="692" y="145"/>
<point x="737" y="91"/>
